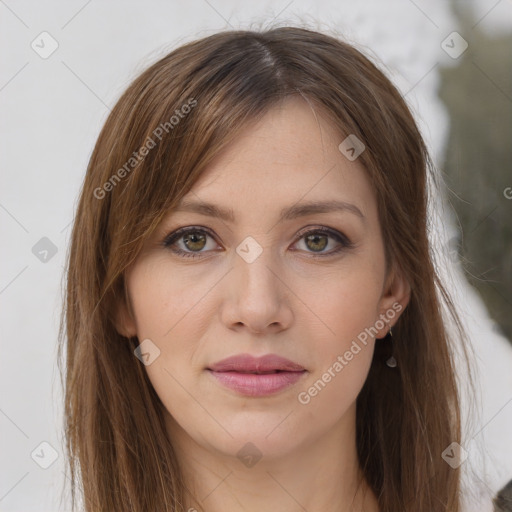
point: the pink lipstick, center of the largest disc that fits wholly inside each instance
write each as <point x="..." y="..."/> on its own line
<point x="257" y="376"/>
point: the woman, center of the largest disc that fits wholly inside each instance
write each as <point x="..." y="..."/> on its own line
<point x="252" y="316"/>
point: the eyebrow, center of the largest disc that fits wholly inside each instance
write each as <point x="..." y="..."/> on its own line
<point x="291" y="212"/>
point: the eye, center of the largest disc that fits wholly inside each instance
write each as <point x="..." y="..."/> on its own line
<point x="317" y="240"/>
<point x="189" y="242"/>
<point x="192" y="239"/>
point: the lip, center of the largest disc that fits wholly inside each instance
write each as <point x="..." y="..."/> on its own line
<point x="239" y="373"/>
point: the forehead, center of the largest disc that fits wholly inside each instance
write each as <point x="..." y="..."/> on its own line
<point x="288" y="156"/>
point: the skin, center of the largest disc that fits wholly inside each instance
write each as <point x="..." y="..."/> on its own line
<point x="288" y="302"/>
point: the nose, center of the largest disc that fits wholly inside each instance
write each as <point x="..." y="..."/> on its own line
<point x="257" y="298"/>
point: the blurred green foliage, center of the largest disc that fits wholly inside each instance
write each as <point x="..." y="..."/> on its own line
<point x="478" y="167"/>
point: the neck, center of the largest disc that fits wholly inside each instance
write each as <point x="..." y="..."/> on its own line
<point x="322" y="474"/>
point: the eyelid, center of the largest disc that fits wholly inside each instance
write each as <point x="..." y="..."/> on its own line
<point x="334" y="233"/>
<point x="175" y="235"/>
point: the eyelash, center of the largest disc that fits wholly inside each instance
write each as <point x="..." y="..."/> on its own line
<point x="170" y="239"/>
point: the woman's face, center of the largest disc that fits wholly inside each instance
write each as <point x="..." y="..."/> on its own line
<point x="304" y="283"/>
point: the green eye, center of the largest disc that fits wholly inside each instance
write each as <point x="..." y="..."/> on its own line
<point x="317" y="240"/>
<point x="194" y="240"/>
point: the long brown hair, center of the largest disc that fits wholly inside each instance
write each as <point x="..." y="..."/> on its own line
<point x="183" y="110"/>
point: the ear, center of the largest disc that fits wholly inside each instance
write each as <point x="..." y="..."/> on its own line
<point x="124" y="320"/>
<point x="395" y="297"/>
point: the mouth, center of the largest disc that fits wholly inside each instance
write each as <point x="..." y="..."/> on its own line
<point x="256" y="376"/>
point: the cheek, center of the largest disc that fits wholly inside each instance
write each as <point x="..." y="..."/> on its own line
<point x="164" y="300"/>
<point x="165" y="312"/>
<point x="341" y="362"/>
<point x="169" y="309"/>
<point x="347" y="309"/>
<point x="345" y="303"/>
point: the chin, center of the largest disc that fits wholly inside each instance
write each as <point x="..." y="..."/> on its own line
<point x="268" y="438"/>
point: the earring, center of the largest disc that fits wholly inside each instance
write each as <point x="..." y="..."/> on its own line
<point x="391" y="362"/>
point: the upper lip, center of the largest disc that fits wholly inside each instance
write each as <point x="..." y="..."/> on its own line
<point x="248" y="363"/>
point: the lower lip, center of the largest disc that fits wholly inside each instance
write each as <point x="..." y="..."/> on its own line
<point x="251" y="384"/>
